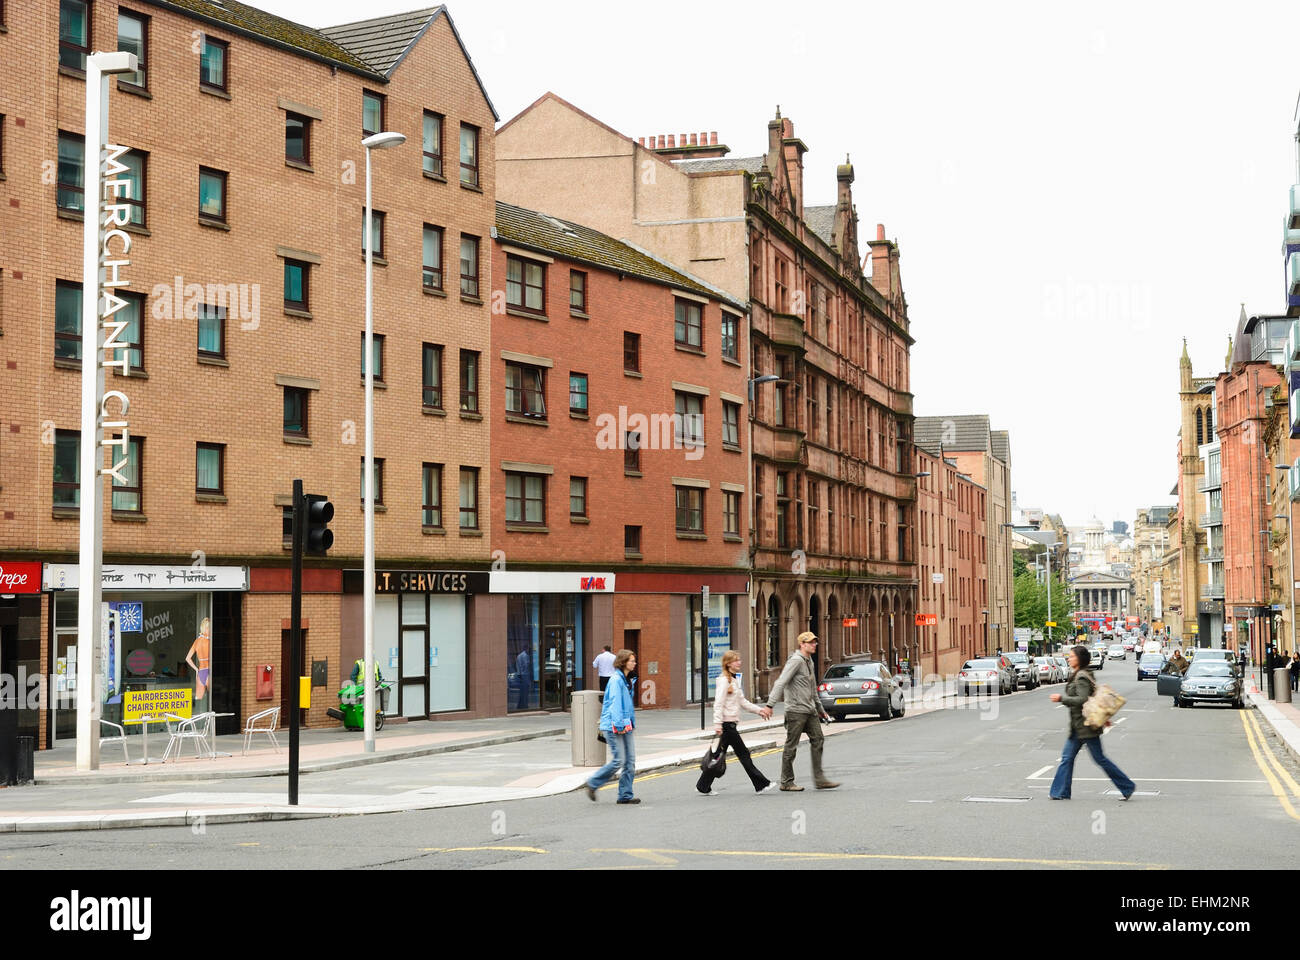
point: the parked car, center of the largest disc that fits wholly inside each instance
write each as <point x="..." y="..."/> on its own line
<point x="1209" y="681"/>
<point x="861" y="686"/>
<point x="1098" y="660"/>
<point x="1048" y="670"/>
<point x="986" y="673"/>
<point x="1025" y="672"/>
<point x="1064" y="664"/>
<point x="1149" y="665"/>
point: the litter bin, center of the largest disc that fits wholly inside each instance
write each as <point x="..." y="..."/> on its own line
<point x="1282" y="685"/>
<point x="17" y="757"/>
<point x="585" y="714"/>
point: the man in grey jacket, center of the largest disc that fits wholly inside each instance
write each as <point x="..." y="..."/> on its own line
<point x="798" y="685"/>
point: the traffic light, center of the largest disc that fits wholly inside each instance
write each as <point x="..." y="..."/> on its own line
<point x="318" y="537"/>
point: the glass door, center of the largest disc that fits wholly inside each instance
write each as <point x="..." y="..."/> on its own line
<point x="415" y="680"/>
<point x="557" y="669"/>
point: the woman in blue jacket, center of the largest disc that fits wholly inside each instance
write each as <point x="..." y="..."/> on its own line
<point x="617" y="720"/>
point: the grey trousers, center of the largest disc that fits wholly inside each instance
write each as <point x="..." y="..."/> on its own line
<point x="797" y="724"/>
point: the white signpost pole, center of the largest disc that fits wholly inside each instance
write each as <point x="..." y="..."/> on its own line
<point x="99" y="67"/>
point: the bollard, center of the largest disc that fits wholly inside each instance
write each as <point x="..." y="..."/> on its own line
<point x="585" y="713"/>
<point x="1282" y="685"/>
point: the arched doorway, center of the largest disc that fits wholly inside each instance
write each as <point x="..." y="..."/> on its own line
<point x="814" y="616"/>
<point x="834" y="630"/>
<point x="871" y="636"/>
<point x="772" y="655"/>
<point x="794" y="627"/>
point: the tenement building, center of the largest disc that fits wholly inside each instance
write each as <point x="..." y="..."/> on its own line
<point x="831" y="487"/>
<point x="247" y="188"/>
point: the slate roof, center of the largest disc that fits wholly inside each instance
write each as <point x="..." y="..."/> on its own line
<point x="539" y="231"/>
<point x="383" y="41"/>
<point x="748" y="164"/>
<point x="964" y="433"/>
<point x="1001" y="445"/>
<point x="821" y="221"/>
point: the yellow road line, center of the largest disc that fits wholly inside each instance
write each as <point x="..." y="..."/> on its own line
<point x="1273" y="761"/>
<point x="807" y="855"/>
<point x="481" y="849"/>
<point x="1268" y="774"/>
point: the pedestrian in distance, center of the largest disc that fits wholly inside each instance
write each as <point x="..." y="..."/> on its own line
<point x="604" y="667"/>
<point x="617" y="720"/>
<point x="1179" y="661"/>
<point x="1295" y="670"/>
<point x="1080" y="687"/>
<point x="798" y="685"/>
<point x="728" y="701"/>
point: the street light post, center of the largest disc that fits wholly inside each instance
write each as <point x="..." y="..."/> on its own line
<point x="378" y="141"/>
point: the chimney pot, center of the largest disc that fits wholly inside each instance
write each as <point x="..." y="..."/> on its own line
<point x="713" y="138"/>
<point x="661" y="141"/>
<point x="672" y="139"/>
<point x="640" y="141"/>
<point x="695" y="139"/>
<point x="683" y="140"/>
<point x="880" y="231"/>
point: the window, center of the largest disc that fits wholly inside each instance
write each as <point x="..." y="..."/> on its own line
<point x="632" y="541"/>
<point x="295" y="412"/>
<point x="212" y="194"/>
<point x="379" y="480"/>
<point x="134" y="197"/>
<point x="782" y="509"/>
<point x="469" y="498"/>
<point x="133" y="37"/>
<point x="126" y="492"/>
<point x="372" y="113"/>
<point x="212" y="64"/>
<point x="432" y="144"/>
<point x="71" y="190"/>
<point x="378" y="352"/>
<point x="296" y="286"/>
<point x="469" y="155"/>
<point x="133" y="315"/>
<point x="67" y="468"/>
<point x="210" y="468"/>
<point x="431" y="510"/>
<point x="74" y="33"/>
<point x="526" y="391"/>
<point x="690" y="509"/>
<point x="578" y="393"/>
<point x="468" y="266"/>
<point x="525" y="284"/>
<point x="780" y="407"/>
<point x="813" y="510"/>
<point x="376" y="232"/>
<point x="730" y="424"/>
<point x="67" y="320"/>
<point x="469" y="381"/>
<point x="730" y="336"/>
<point x="212" y="331"/>
<point x="577" y="497"/>
<point x="432" y="376"/>
<point x="526" y="498"/>
<point x="782" y="271"/>
<point x="632" y="452"/>
<point x="687" y="327"/>
<point x="297" y="138"/>
<point x="577" y="291"/>
<point x="730" y="513"/>
<point x="631" y="353"/>
<point x="432" y="257"/>
<point x="689" y="421"/>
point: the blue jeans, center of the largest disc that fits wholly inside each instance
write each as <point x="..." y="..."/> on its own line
<point x="1065" y="772"/>
<point x="624" y="755"/>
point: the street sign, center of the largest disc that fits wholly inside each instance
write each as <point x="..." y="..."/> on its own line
<point x="936" y="578"/>
<point x="926" y="619"/>
<point x="1051" y="623"/>
<point x="849" y="622"/>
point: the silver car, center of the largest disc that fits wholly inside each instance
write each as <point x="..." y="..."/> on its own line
<point x="1064" y="664"/>
<point x="1025" y="672"/>
<point x="861" y="686"/>
<point x="986" y="673"/>
<point x="1048" y="671"/>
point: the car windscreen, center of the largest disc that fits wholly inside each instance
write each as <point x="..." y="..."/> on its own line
<point x="1151" y="660"/>
<point x="1210" y="668"/>
<point x="1018" y="657"/>
<point x="853" y="671"/>
<point x="981" y="665"/>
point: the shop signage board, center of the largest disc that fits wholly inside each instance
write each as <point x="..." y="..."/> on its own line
<point x="137" y="704"/>
<point x="926" y="620"/>
<point x="540" y="581"/>
<point x="20" y="576"/>
<point x="849" y="622"/>
<point x="418" y="581"/>
<point x="65" y="576"/>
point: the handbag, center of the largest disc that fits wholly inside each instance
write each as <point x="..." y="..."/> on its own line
<point x="714" y="762"/>
<point x="1101" y="706"/>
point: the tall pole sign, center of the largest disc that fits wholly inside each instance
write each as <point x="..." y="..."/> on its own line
<point x="104" y="256"/>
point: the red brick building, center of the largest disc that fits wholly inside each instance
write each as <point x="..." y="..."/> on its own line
<point x="248" y="282"/>
<point x="618" y="461"/>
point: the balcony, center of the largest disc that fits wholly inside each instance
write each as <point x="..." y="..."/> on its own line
<point x="1290" y="235"/>
<point x="1293" y="479"/>
<point x="1211" y="591"/>
<point x="787" y="445"/>
<point x="1295" y="416"/>
<point x="1209" y="483"/>
<point x="1211" y="518"/>
<point x="1293" y="285"/>
<point x="787" y="330"/>
<point x="1213" y="555"/>
<point x="1293" y="221"/>
<point x="902" y="403"/>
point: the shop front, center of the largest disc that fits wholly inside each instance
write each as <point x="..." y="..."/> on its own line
<point x="162" y="628"/>
<point x="20" y="648"/>
<point x="421" y="636"/>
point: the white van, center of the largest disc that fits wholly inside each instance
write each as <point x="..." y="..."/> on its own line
<point x="1152" y="646"/>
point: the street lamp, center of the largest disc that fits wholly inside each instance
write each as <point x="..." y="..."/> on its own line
<point x="378" y="141"/>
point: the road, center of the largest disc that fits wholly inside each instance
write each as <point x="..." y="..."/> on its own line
<point x="957" y="788"/>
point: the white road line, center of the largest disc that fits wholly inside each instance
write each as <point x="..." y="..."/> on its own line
<point x="1155" y="780"/>
<point x="1039" y="773"/>
<point x="995" y="799"/>
<point x="1121" y="719"/>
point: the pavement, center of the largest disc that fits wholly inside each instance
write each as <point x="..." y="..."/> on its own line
<point x="415" y="766"/>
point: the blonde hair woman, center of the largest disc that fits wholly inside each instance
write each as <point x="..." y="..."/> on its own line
<point x="728" y="701"/>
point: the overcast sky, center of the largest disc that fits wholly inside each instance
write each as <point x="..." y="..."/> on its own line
<point x="1074" y="188"/>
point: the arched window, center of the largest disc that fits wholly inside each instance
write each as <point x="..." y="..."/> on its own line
<point x="773" y="631"/>
<point x="1209" y="425"/>
<point x="1200" y="428"/>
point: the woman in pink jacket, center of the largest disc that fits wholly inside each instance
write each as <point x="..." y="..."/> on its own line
<point x="728" y="701"/>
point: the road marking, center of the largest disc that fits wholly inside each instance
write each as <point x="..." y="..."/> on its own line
<point x="1156" y="780"/>
<point x="481" y="849"/>
<point x="994" y="799"/>
<point x="1121" y="719"/>
<point x="920" y="801"/>
<point x="1038" y="774"/>
<point x="806" y="855"/>
<point x="1268" y="751"/>
<point x="1272" y="780"/>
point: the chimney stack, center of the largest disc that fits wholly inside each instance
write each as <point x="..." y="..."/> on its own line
<point x="880" y="231"/>
<point x="713" y="138"/>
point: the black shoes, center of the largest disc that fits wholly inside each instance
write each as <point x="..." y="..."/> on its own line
<point x="631" y="800"/>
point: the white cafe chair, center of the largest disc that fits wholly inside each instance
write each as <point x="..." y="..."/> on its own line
<point x="119" y="737"/>
<point x="195" y="729"/>
<point x="264" y="722"/>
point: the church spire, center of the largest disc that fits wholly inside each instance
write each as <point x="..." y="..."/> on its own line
<point x="1185" y="370"/>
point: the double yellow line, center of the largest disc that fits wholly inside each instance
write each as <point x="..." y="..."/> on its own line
<point x="1255" y="737"/>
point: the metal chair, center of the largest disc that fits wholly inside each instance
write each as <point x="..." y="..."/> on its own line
<point x="120" y="737"/>
<point x="196" y="728"/>
<point x="264" y="722"/>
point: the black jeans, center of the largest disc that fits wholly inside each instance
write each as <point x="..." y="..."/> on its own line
<point x="731" y="738"/>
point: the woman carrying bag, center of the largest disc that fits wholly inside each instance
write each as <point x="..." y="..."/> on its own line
<point x="1080" y="687"/>
<point x="728" y="701"/>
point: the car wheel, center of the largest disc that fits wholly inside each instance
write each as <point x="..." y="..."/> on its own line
<point x="888" y="713"/>
<point x="965" y="691"/>
<point x="903" y="709"/>
<point x="1237" y="704"/>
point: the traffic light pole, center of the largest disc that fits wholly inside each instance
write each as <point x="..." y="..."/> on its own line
<point x="295" y="637"/>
